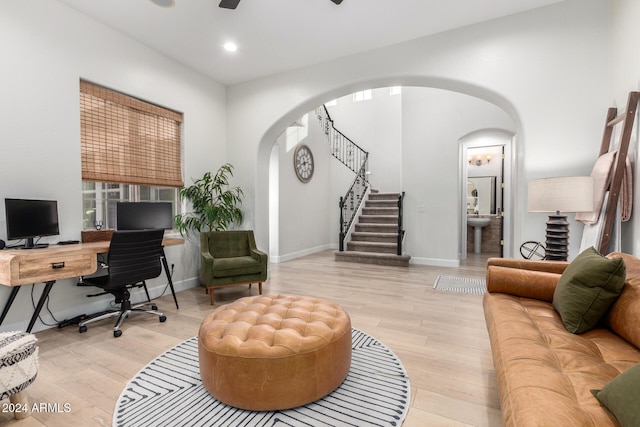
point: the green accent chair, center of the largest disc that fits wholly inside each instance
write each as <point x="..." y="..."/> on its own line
<point x="230" y="258"/>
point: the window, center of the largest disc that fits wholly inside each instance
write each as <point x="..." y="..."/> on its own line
<point x="297" y="132"/>
<point x="131" y="151"/>
<point x="99" y="200"/>
<point x="362" y="96"/>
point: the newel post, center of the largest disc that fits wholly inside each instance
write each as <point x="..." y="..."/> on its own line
<point x="342" y="236"/>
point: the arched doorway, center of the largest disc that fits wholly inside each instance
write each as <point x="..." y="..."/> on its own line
<point x="486" y="189"/>
<point x="277" y="128"/>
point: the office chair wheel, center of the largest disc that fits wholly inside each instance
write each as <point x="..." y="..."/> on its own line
<point x="154" y="307"/>
<point x="163" y="319"/>
<point x="117" y="333"/>
<point x="82" y="329"/>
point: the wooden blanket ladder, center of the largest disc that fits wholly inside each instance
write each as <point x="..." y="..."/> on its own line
<point x="626" y="120"/>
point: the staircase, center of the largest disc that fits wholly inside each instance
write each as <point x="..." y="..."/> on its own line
<point x="375" y="237"/>
<point x="378" y="233"/>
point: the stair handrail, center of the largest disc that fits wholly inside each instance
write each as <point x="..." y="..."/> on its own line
<point x="343" y="148"/>
<point x="400" y="223"/>
<point x="350" y="203"/>
<point x="356" y="159"/>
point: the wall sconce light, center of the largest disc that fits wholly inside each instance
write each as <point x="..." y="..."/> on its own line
<point x="559" y="195"/>
<point x="479" y="160"/>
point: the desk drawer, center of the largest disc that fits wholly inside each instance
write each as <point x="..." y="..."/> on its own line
<point x="56" y="267"/>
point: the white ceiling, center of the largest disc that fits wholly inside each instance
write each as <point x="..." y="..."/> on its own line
<point x="279" y="35"/>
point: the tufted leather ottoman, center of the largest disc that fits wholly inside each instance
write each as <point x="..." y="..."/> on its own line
<point x="271" y="352"/>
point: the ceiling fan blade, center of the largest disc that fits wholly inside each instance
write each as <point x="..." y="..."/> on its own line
<point x="232" y="4"/>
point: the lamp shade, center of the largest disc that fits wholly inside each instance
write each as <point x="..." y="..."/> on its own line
<point x="561" y="194"/>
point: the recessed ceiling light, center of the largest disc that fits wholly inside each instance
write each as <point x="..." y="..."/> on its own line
<point x="164" y="3"/>
<point x="230" y="47"/>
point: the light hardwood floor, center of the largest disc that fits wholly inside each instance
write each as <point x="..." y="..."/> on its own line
<point x="440" y="337"/>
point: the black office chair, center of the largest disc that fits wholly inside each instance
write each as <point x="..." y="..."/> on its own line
<point x="134" y="256"/>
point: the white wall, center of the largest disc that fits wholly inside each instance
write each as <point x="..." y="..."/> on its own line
<point x="546" y="68"/>
<point x="434" y="121"/>
<point x="376" y="126"/>
<point x="625" y="77"/>
<point x="304" y="208"/>
<point x="46" y="48"/>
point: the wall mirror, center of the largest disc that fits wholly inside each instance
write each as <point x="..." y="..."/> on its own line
<point x="481" y="195"/>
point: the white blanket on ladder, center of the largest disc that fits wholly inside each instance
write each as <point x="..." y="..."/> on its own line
<point x="592" y="233"/>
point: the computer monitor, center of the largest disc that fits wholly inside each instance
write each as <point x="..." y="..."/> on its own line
<point x="28" y="219"/>
<point x="144" y="215"/>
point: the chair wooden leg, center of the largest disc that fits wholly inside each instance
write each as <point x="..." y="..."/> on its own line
<point x="260" y="288"/>
<point x="211" y="297"/>
<point x="20" y="400"/>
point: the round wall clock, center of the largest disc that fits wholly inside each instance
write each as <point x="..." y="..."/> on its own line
<point x="303" y="163"/>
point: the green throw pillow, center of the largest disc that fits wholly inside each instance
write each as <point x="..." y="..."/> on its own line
<point x="587" y="288"/>
<point x="620" y="397"/>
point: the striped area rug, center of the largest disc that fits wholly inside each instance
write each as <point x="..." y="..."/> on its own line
<point x="465" y="285"/>
<point x="169" y="392"/>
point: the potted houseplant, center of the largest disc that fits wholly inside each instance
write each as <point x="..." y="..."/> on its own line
<point x="215" y="205"/>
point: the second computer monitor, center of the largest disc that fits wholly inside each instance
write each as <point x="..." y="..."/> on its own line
<point x="144" y="215"/>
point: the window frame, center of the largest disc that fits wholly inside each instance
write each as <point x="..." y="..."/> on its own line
<point x="101" y="213"/>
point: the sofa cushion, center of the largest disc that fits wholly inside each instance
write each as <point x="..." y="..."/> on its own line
<point x="587" y="288"/>
<point x="237" y="266"/>
<point x="620" y="396"/>
<point x="229" y="244"/>
<point x="545" y="374"/>
<point x="624" y="316"/>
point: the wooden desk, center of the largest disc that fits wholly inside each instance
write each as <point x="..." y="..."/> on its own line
<point x="23" y="267"/>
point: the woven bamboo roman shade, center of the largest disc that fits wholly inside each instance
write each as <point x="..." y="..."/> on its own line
<point x="128" y="141"/>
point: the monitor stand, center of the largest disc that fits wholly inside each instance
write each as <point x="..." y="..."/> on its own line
<point x="38" y="246"/>
<point x="28" y="244"/>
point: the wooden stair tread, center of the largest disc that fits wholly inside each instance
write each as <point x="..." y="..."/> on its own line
<point x="372" y="254"/>
<point x="374" y="234"/>
<point x="373" y="258"/>
<point x="374" y="244"/>
<point x="378" y="196"/>
<point x="371" y="219"/>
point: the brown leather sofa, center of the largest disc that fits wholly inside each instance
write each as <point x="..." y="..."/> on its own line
<point x="546" y="374"/>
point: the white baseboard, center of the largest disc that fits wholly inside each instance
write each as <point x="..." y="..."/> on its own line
<point x="435" y="262"/>
<point x="299" y="254"/>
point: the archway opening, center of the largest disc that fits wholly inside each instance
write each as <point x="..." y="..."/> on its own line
<point x="267" y="143"/>
<point x="486" y="191"/>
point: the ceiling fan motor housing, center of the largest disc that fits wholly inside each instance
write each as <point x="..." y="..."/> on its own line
<point x="232" y="4"/>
